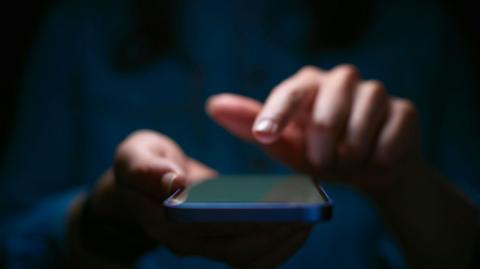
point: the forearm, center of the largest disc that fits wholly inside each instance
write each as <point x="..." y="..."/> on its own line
<point x="435" y="225"/>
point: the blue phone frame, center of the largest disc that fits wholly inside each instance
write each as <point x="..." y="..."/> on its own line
<point x="249" y="212"/>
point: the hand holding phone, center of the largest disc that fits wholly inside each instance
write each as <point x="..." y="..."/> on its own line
<point x="251" y="198"/>
<point x="128" y="198"/>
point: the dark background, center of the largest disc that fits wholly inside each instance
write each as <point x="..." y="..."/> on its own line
<point x="21" y="20"/>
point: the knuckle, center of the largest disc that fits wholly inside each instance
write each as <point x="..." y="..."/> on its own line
<point x="376" y="91"/>
<point x="407" y="109"/>
<point x="376" y="87"/>
<point x="133" y="139"/>
<point x="139" y="134"/>
<point x="374" y="83"/>
<point x="296" y="96"/>
<point x="126" y="148"/>
<point x="355" y="129"/>
<point x="279" y="89"/>
<point x="139" y="170"/>
<point x="324" y="126"/>
<point x="309" y="70"/>
<point x="347" y="71"/>
<point x="124" y="164"/>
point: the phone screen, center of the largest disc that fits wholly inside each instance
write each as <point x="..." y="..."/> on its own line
<point x="253" y="189"/>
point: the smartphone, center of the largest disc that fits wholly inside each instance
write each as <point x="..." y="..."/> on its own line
<point x="251" y="198"/>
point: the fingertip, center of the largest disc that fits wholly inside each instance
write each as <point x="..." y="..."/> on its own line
<point x="265" y="138"/>
<point x="210" y="105"/>
<point x="180" y="182"/>
<point x="172" y="182"/>
<point x="216" y="103"/>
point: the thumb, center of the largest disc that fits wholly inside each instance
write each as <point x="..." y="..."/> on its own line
<point x="150" y="163"/>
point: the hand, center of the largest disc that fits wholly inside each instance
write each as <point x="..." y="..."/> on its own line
<point x="148" y="167"/>
<point x="330" y="124"/>
<point x="336" y="126"/>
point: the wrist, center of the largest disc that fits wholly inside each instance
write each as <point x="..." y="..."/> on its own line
<point x="123" y="242"/>
<point x="99" y="239"/>
<point x="413" y="174"/>
<point x="428" y="217"/>
<point x="78" y="255"/>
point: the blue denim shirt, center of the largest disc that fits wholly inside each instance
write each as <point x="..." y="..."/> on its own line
<point x="75" y="108"/>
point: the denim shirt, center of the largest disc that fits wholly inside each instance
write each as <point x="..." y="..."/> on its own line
<point x="75" y="107"/>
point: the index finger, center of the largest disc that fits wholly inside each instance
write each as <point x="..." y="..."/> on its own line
<point x="285" y="101"/>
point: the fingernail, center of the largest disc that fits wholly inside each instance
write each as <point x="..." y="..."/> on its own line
<point x="168" y="180"/>
<point x="265" y="130"/>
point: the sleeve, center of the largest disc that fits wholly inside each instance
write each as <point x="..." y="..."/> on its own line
<point x="40" y="168"/>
